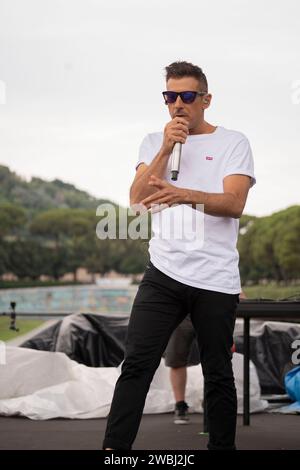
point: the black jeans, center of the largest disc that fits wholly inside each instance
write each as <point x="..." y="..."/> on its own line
<point x="160" y="305"/>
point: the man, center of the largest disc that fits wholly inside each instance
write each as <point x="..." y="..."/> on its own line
<point x="186" y="274"/>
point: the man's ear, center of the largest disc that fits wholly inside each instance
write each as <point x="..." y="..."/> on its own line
<point x="206" y="100"/>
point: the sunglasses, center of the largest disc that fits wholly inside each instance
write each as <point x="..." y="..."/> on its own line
<point x="187" y="97"/>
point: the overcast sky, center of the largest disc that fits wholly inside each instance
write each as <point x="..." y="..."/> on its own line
<point x="81" y="82"/>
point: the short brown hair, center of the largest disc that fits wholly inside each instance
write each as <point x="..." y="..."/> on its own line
<point x="182" y="69"/>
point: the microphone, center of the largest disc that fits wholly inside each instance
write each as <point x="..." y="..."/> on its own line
<point x="175" y="160"/>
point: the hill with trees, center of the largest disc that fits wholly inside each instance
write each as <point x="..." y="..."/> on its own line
<point x="269" y="246"/>
<point x="49" y="228"/>
<point x="39" y="195"/>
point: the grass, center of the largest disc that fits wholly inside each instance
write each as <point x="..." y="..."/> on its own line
<point x="23" y="325"/>
<point x="271" y="291"/>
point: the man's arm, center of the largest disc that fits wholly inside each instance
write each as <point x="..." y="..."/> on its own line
<point x="230" y="203"/>
<point x="140" y="188"/>
<point x="174" y="131"/>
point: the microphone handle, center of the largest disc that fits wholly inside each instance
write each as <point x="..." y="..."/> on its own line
<point x="175" y="160"/>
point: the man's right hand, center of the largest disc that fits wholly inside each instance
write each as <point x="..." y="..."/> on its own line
<point x="175" y="131"/>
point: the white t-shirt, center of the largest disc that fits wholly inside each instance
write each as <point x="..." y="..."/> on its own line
<point x="194" y="248"/>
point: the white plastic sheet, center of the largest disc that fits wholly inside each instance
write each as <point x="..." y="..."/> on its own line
<point x="44" y="385"/>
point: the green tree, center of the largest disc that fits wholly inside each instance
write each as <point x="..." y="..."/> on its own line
<point x="59" y="224"/>
<point x="28" y="259"/>
<point x="286" y="245"/>
<point x="66" y="229"/>
<point x="268" y="247"/>
<point x="3" y="257"/>
<point x="12" y="219"/>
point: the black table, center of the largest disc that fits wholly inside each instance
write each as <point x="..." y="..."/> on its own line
<point x="271" y="310"/>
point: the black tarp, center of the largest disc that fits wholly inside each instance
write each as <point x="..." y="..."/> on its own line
<point x="90" y="339"/>
<point x="99" y="341"/>
<point x="271" y="352"/>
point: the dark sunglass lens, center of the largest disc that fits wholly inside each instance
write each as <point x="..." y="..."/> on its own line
<point x="170" y="96"/>
<point x="188" y="96"/>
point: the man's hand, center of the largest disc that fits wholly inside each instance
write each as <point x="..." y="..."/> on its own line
<point x="230" y="203"/>
<point x="175" y="131"/>
<point x="167" y="194"/>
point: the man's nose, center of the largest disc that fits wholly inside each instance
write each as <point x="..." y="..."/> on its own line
<point x="178" y="102"/>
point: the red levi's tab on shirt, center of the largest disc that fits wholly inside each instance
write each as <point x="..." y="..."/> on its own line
<point x="209" y="158"/>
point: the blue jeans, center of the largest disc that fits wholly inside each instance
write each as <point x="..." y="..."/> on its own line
<point x="160" y="305"/>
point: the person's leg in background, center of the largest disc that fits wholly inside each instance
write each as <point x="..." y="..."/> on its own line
<point x="157" y="310"/>
<point x="178" y="378"/>
<point x="176" y="357"/>
<point x="213" y="316"/>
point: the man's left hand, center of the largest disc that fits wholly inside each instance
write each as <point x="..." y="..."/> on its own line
<point x="167" y="194"/>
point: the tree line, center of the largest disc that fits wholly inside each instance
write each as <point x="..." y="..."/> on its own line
<point x="269" y="246"/>
<point x="58" y="241"/>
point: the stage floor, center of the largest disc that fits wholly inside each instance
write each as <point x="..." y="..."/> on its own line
<point x="266" y="432"/>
